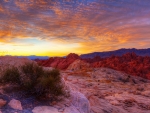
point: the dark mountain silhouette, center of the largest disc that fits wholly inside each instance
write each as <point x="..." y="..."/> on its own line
<point x="120" y="52"/>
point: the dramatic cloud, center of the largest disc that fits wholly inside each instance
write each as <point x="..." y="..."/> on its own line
<point x="95" y="25"/>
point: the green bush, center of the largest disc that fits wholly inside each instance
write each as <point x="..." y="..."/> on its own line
<point x="34" y="80"/>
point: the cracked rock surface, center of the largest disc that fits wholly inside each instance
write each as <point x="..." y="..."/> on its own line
<point x="110" y="91"/>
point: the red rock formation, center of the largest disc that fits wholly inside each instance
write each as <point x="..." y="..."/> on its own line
<point x="78" y="65"/>
<point x="129" y="63"/>
<point x="59" y="62"/>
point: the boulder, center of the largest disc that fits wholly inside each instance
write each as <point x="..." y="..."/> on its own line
<point x="45" y="109"/>
<point x="80" y="102"/>
<point x="15" y="104"/>
<point x="71" y="110"/>
<point x="2" y="103"/>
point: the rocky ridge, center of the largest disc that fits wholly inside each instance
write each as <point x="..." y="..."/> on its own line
<point x="129" y="63"/>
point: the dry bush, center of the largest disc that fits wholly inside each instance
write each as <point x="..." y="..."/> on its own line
<point x="35" y="81"/>
<point x="11" y="75"/>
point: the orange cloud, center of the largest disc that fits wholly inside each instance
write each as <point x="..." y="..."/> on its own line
<point x="95" y="25"/>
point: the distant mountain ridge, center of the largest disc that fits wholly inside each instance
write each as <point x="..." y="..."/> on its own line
<point x="120" y="52"/>
<point x="33" y="57"/>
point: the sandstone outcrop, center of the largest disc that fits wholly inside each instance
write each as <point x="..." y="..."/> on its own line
<point x="78" y="65"/>
<point x="59" y="62"/>
<point x="12" y="61"/>
<point x="111" y="91"/>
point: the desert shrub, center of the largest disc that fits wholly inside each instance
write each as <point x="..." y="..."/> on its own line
<point x="31" y="73"/>
<point x="11" y="75"/>
<point x="40" y="82"/>
<point x="108" y="72"/>
<point x="50" y="85"/>
<point x="124" y="79"/>
<point x="36" y="81"/>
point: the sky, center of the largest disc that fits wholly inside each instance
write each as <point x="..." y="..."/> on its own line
<point x="59" y="27"/>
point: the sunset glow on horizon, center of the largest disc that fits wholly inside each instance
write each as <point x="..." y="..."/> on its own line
<point x="60" y="27"/>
